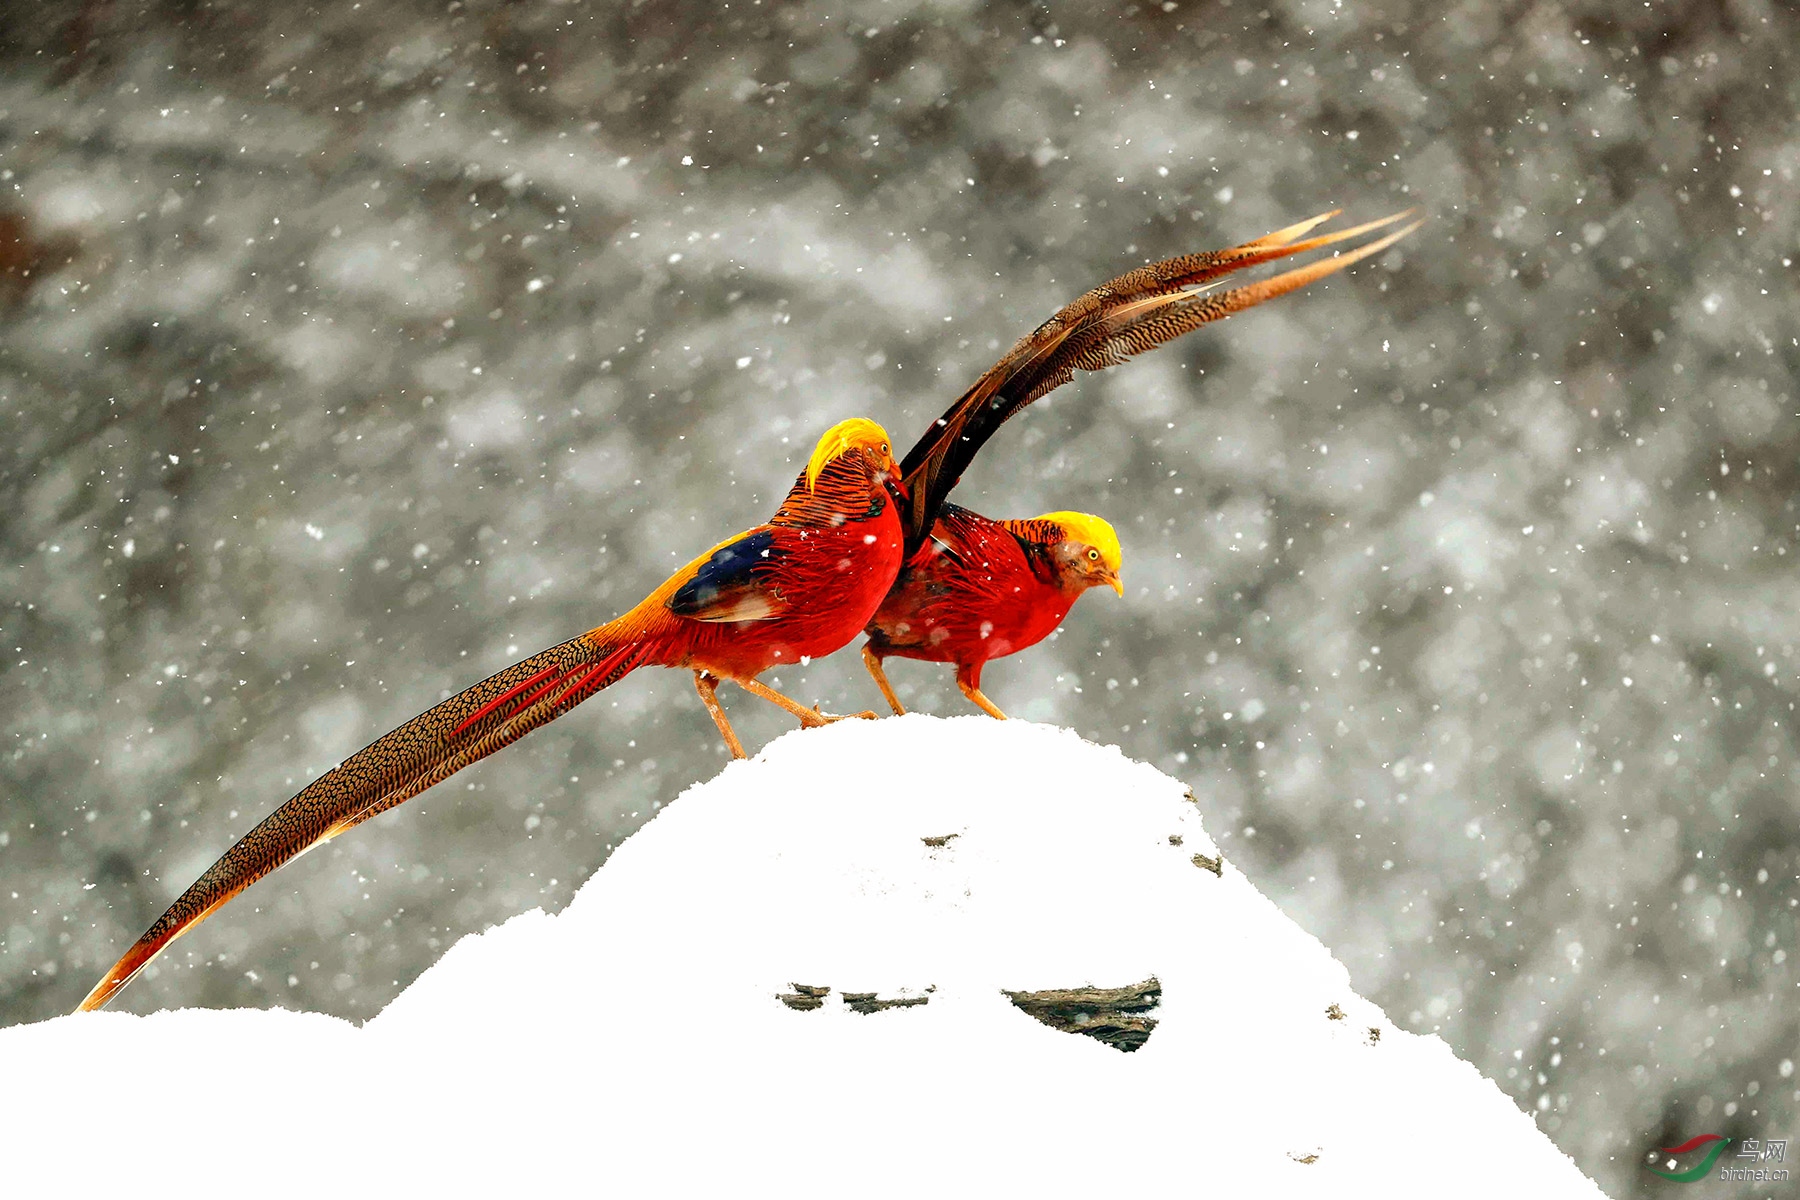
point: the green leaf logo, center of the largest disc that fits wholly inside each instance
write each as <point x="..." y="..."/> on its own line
<point x="1718" y="1143"/>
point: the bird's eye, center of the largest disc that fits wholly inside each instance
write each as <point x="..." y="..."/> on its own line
<point x="884" y="448"/>
<point x="1093" y="555"/>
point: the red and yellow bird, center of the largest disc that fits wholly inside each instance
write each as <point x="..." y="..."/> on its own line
<point x="977" y="589"/>
<point x="799" y="587"/>
<point x="981" y="589"/>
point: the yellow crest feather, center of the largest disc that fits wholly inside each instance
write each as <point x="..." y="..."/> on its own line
<point x="1092" y="531"/>
<point x="854" y="434"/>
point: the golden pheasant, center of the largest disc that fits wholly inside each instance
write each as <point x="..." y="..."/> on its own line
<point x="976" y="589"/>
<point x="799" y="587"/>
<point x="981" y="589"/>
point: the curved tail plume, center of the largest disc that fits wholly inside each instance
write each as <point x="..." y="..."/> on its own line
<point x="391" y="770"/>
<point x="1138" y="311"/>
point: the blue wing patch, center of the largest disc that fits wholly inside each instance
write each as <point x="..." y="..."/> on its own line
<point x="730" y="585"/>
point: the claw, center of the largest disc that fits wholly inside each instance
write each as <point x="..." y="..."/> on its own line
<point x="821" y="718"/>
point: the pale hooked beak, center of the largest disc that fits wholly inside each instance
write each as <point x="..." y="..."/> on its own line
<point x="1118" y="585"/>
<point x="890" y="478"/>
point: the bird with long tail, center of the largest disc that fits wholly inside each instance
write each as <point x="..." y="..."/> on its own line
<point x="974" y="589"/>
<point x="798" y="587"/>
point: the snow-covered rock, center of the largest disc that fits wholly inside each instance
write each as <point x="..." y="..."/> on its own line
<point x="638" y="1043"/>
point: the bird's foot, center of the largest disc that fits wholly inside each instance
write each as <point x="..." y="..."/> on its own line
<point x="815" y="718"/>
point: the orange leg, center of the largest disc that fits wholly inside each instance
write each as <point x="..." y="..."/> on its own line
<point x="872" y="661"/>
<point x="708" y="687"/>
<point x="810" y="718"/>
<point x="968" y="678"/>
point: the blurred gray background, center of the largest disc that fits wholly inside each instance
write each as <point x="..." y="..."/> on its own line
<point x="349" y="352"/>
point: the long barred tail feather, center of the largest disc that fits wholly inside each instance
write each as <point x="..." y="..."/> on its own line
<point x="1145" y="325"/>
<point x="391" y="770"/>
<point x="1125" y="316"/>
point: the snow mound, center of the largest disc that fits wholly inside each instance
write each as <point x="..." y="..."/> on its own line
<point x="683" y="1028"/>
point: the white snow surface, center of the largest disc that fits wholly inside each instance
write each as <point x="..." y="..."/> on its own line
<point x="635" y="1045"/>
